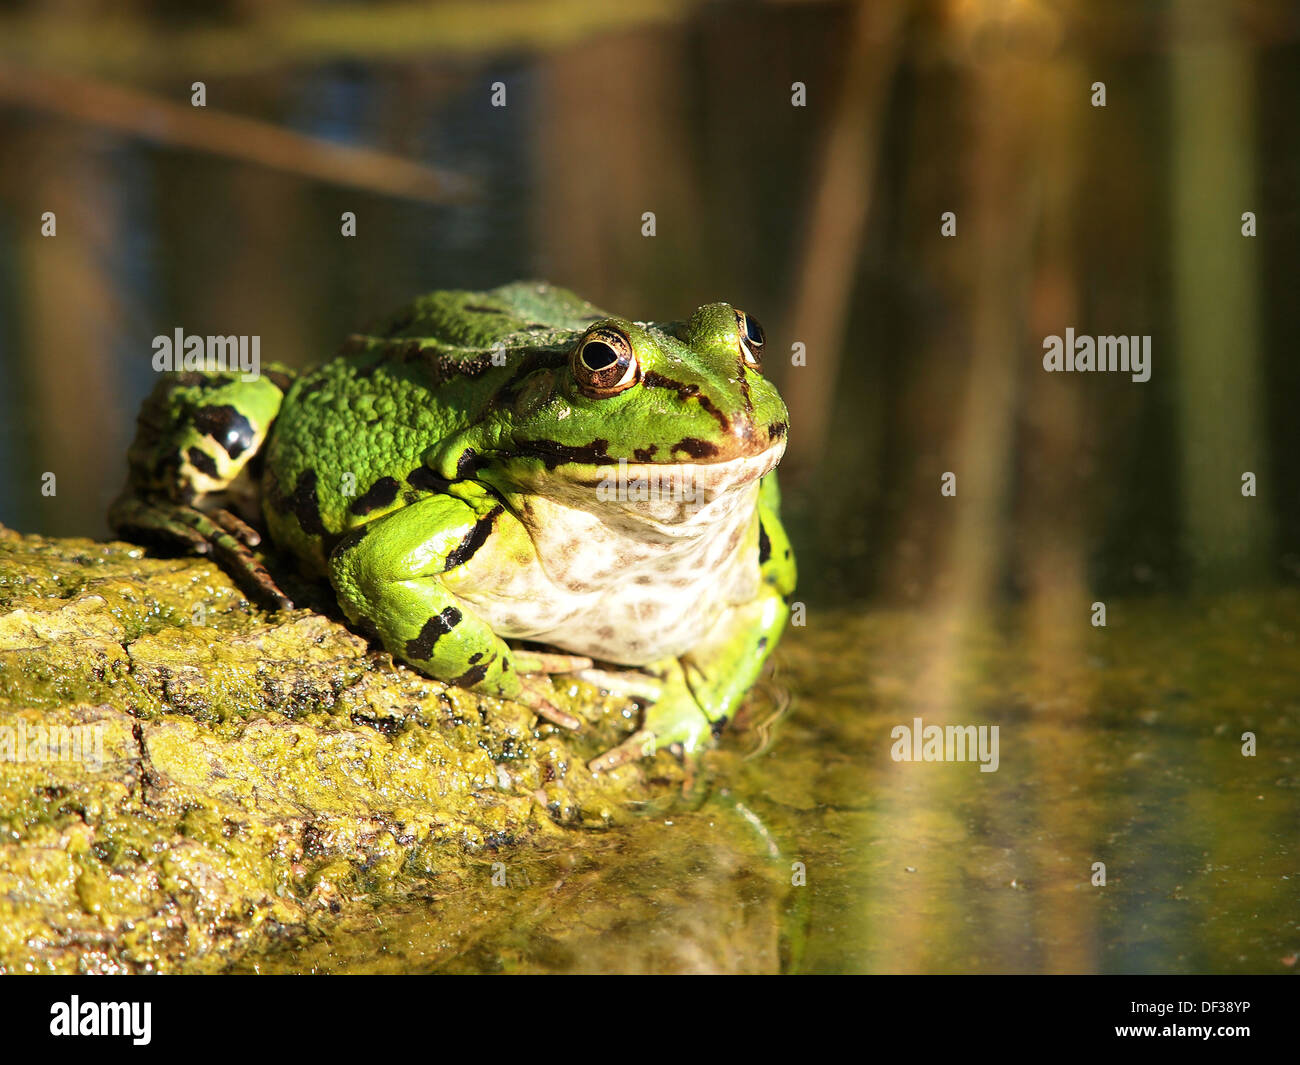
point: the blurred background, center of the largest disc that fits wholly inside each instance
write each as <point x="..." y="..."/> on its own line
<point x="923" y="351"/>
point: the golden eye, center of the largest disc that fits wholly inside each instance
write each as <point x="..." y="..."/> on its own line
<point x="604" y="363"/>
<point x="752" y="339"/>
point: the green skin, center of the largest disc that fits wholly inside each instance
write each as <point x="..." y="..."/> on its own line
<point x="411" y="471"/>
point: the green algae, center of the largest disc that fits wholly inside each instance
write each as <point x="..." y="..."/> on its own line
<point x="254" y="778"/>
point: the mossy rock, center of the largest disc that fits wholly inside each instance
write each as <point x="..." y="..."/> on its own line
<point x="246" y="781"/>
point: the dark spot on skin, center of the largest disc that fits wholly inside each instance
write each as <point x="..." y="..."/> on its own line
<point x="410" y="496"/>
<point x="227" y="427"/>
<point x="475" y="657"/>
<point x="168" y="471"/>
<point x="303" y="504"/>
<point x="695" y="447"/>
<point x="349" y="540"/>
<point x="202" y="461"/>
<point x="776" y="430"/>
<point x="421" y="648"/>
<point x="685" y="392"/>
<point x="279" y="378"/>
<point x="764" y="545"/>
<point x="437" y="364"/>
<point x="426" y="480"/>
<point x="380" y="494"/>
<point x="476" y="538"/>
<point x="467" y="464"/>
<point x="743" y="377"/>
<point x="762" y="644"/>
<point x="532" y="360"/>
<point x="203" y="381"/>
<point x="255" y="465"/>
<point x="471" y="676"/>
<point x="553" y="453"/>
<point x="645" y="454"/>
<point x="443" y="365"/>
<point x="717" y="727"/>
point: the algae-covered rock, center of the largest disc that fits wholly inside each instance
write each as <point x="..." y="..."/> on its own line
<point x="189" y="783"/>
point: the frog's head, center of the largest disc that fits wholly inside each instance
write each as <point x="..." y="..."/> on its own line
<point x="656" y="397"/>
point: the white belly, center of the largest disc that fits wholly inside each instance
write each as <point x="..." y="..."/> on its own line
<point x="626" y="581"/>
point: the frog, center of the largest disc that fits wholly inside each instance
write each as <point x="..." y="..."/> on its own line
<point x="500" y="487"/>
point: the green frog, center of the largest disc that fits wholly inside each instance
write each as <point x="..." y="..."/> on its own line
<point x="501" y="486"/>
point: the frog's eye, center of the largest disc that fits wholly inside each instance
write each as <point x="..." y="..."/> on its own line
<point x="604" y="362"/>
<point x="752" y="339"/>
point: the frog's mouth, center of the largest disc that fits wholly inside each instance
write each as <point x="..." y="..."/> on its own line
<point x="672" y="497"/>
<point x="710" y="477"/>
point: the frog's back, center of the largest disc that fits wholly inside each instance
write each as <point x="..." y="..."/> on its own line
<point x="349" y="442"/>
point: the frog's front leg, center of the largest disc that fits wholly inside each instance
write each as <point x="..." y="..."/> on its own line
<point x="692" y="697"/>
<point x="390" y="578"/>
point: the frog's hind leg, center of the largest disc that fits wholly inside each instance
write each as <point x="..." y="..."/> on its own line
<point x="196" y="437"/>
<point x="389" y="576"/>
<point x="219" y="533"/>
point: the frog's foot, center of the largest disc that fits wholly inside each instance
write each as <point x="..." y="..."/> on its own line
<point x="629" y="683"/>
<point x="220" y="533"/>
<point x="674" y="719"/>
<point x="544" y="662"/>
<point x="641" y="744"/>
<point x="534" y="668"/>
<point x="536" y="693"/>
